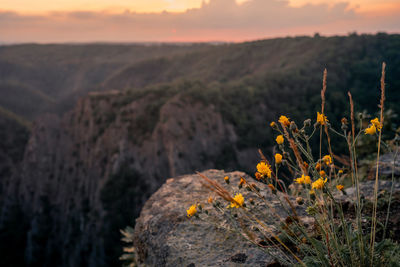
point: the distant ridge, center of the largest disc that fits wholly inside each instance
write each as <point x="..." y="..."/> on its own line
<point x="12" y="116"/>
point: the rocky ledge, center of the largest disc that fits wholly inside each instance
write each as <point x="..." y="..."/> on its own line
<point x="164" y="236"/>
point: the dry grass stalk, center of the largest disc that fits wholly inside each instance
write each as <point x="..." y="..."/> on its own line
<point x="295" y="150"/>
<point x="351" y="114"/>
<point x="323" y="91"/>
<point x="373" y="227"/>
<point x="262" y="155"/>
<point x="217" y="188"/>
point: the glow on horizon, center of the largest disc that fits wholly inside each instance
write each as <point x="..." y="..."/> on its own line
<point x="156" y="6"/>
<point x="61" y="21"/>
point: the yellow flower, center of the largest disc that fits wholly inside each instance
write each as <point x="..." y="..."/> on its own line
<point x="191" y="211"/>
<point x="327" y="159"/>
<point x="312" y="192"/>
<point x="264" y="169"/>
<point x="279" y="139"/>
<point x="242" y="181"/>
<point x="210" y="200"/>
<point x="238" y="201"/>
<point x="258" y="175"/>
<point x="318" y="166"/>
<point x="272" y="124"/>
<point x="278" y="158"/>
<point x="339" y="187"/>
<point x="370" y="130"/>
<point x="321" y="118"/>
<point x="319" y="184"/>
<point x="299" y="180"/>
<point x="322" y="173"/>
<point x="340" y="171"/>
<point x="284" y="120"/>
<point x="304" y="179"/>
<point x="377" y="124"/>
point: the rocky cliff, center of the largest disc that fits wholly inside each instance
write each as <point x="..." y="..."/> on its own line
<point x="86" y="175"/>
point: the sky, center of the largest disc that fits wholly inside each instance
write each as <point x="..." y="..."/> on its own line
<point x="58" y="21"/>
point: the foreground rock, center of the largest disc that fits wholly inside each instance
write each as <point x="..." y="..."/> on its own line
<point x="164" y="236"/>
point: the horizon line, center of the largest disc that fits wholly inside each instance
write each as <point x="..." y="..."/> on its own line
<point x="211" y="42"/>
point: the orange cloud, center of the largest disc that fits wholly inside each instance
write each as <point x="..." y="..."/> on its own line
<point x="217" y="20"/>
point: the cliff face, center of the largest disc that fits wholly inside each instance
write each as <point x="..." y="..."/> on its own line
<point x="13" y="138"/>
<point x="86" y="175"/>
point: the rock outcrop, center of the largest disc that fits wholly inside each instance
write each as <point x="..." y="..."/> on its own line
<point x="164" y="236"/>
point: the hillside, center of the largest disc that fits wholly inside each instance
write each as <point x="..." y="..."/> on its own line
<point x="46" y="78"/>
<point x="39" y="78"/>
<point x="160" y="112"/>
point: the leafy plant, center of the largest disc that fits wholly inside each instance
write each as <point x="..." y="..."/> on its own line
<point x="129" y="256"/>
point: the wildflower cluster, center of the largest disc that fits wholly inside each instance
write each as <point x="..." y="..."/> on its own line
<point x="316" y="181"/>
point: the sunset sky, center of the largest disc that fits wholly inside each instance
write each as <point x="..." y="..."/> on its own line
<point x="189" y="20"/>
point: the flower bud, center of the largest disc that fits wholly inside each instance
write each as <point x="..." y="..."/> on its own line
<point x="293" y="126"/>
<point x="273" y="125"/>
<point x="307" y="123"/>
<point x="226" y="178"/>
<point x="272" y="187"/>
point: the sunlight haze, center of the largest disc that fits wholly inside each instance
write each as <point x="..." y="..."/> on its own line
<point x="189" y="20"/>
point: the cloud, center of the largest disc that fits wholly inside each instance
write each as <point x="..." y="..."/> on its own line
<point x="224" y="20"/>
